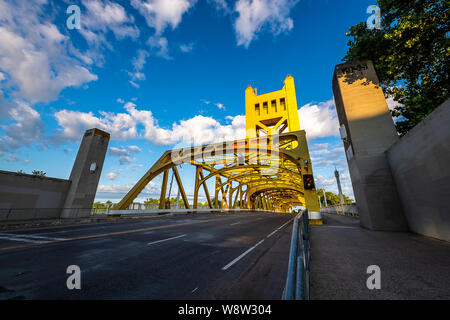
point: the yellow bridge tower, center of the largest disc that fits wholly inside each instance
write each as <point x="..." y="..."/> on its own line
<point x="270" y="169"/>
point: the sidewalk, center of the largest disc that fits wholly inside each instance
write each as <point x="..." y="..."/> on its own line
<point x="412" y="266"/>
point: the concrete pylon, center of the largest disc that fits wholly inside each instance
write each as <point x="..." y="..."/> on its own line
<point x="85" y="174"/>
<point x="338" y="181"/>
<point x="367" y="130"/>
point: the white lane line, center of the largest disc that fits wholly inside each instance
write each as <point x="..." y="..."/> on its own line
<point x="194" y="290"/>
<point x="249" y="250"/>
<point x="21" y="239"/>
<point x="30" y="236"/>
<point x="233" y="224"/>
<point x="277" y="229"/>
<point x="38" y="237"/>
<point x="183" y="235"/>
<point x="242" y="255"/>
<point x="271" y="234"/>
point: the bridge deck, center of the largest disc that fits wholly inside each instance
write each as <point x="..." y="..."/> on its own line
<point x="412" y="266"/>
<point x="196" y="256"/>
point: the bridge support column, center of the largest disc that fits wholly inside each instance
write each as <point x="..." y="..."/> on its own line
<point x="368" y="131"/>
<point x="85" y="174"/>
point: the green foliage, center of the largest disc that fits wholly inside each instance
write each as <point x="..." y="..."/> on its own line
<point x="411" y="55"/>
<point x="38" y="173"/>
<point x="173" y="202"/>
<point x="151" y="201"/>
<point x="213" y="201"/>
<point x="99" y="205"/>
<point x="332" y="198"/>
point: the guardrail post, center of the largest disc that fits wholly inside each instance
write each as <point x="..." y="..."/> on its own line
<point x="7" y="215"/>
<point x="300" y="284"/>
<point x="306" y="237"/>
<point x="306" y="247"/>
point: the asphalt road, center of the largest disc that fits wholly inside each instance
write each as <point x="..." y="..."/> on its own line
<point x="197" y="256"/>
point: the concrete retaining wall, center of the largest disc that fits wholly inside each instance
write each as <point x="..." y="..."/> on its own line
<point x="22" y="194"/>
<point x="420" y="164"/>
<point x="345" y="209"/>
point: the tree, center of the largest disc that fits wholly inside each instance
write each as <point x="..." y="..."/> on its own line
<point x="38" y="173"/>
<point x="411" y="55"/>
<point x="332" y="198"/>
<point x="151" y="201"/>
<point x="213" y="201"/>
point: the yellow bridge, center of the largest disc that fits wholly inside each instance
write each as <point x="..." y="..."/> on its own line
<point x="270" y="169"/>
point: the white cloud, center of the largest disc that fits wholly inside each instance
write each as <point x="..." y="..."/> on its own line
<point x="325" y="157"/>
<point x="112" y="175"/>
<point x="12" y="158"/>
<point x="34" y="53"/>
<point x="255" y="15"/>
<point x="134" y="166"/>
<point x="319" y="120"/>
<point x="126" y="159"/>
<point x="221" y="5"/>
<point x="120" y="100"/>
<point x="328" y="157"/>
<point x="103" y="16"/>
<point x="124" y="126"/>
<point x="117" y="191"/>
<point x="123" y="154"/>
<point x="328" y="182"/>
<point x="138" y="64"/>
<point x="160" y="14"/>
<point x="26" y="129"/>
<point x="160" y="45"/>
<point x="187" y="47"/>
<point x="118" y="151"/>
<point x="220" y="106"/>
<point x="134" y="149"/>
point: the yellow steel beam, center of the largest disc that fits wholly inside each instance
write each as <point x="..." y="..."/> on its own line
<point x="270" y="163"/>
<point x="162" y="198"/>
<point x="181" y="188"/>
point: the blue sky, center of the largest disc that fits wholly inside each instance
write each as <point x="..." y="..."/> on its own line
<point x="158" y="74"/>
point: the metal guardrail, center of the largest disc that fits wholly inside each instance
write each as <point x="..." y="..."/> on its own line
<point x="31" y="215"/>
<point x="178" y="211"/>
<point x="349" y="210"/>
<point x="297" y="281"/>
<point x="39" y="214"/>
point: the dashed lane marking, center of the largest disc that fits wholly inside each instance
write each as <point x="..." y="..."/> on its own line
<point x="173" y="238"/>
<point x="252" y="248"/>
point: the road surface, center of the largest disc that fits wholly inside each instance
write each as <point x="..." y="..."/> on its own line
<point x="196" y="256"/>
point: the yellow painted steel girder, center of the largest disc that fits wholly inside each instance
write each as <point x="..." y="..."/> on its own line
<point x="265" y="170"/>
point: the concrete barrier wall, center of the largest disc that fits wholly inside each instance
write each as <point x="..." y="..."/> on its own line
<point x="22" y="194"/>
<point x="345" y="209"/>
<point x="420" y="164"/>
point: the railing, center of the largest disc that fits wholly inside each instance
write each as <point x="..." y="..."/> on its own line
<point x="31" y="215"/>
<point x="297" y="281"/>
<point x="39" y="214"/>
<point x="348" y="209"/>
